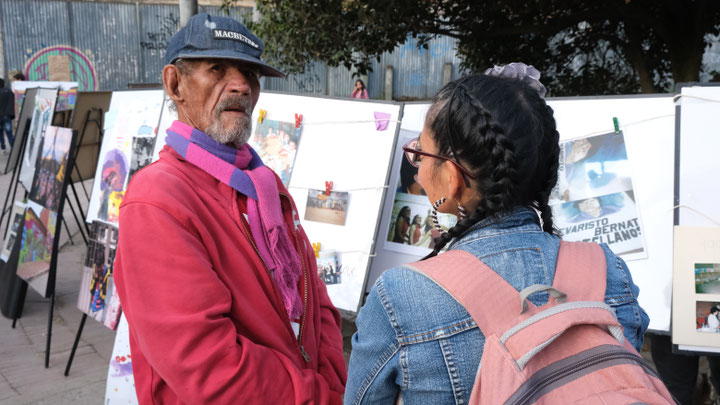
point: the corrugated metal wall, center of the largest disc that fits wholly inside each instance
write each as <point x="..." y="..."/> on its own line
<point x="113" y="44"/>
<point x="110" y="45"/>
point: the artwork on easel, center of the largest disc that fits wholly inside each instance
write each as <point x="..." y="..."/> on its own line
<point x="98" y="297"/>
<point x="44" y="203"/>
<point x="594" y="200"/>
<point x="167" y="117"/>
<point x="17" y="221"/>
<point x="25" y="113"/>
<point x="276" y="143"/>
<point x="41" y="118"/>
<point x="130" y="122"/>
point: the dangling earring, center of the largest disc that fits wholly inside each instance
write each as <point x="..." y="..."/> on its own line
<point x="434" y="213"/>
<point x="462" y="212"/>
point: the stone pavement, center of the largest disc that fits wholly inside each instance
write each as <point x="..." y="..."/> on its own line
<point x="23" y="376"/>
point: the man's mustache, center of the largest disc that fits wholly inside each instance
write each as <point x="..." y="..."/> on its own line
<point x="234" y="103"/>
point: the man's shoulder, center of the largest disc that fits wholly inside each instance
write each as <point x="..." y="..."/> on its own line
<point x="160" y="182"/>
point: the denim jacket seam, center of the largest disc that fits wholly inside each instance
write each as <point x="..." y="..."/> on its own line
<point x="470" y="239"/>
<point x="379" y="365"/>
<point x="510" y="250"/>
<point x="448" y="331"/>
<point x="388" y="308"/>
<point x="455" y="382"/>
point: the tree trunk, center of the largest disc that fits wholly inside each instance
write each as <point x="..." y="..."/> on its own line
<point x="636" y="56"/>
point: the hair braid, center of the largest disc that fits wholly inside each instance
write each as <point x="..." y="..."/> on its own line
<point x="550" y="146"/>
<point x="499" y="185"/>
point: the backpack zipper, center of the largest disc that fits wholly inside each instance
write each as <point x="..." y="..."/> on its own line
<point x="579" y="366"/>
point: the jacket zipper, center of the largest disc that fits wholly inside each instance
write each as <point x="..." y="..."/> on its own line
<point x="277" y="293"/>
<point x="301" y="253"/>
<point x="576" y="367"/>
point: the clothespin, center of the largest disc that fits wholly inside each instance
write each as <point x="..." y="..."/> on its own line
<point x="316" y="248"/>
<point x="298" y="120"/>
<point x="616" y="124"/>
<point x="328" y="187"/>
<point x="262" y="115"/>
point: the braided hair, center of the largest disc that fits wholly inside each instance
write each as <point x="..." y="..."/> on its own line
<point x="501" y="130"/>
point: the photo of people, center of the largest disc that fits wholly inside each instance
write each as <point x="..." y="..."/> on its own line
<point x="707" y="316"/>
<point x="47" y="186"/>
<point x="611" y="219"/>
<point x="276" y="143"/>
<point x="411" y="229"/>
<point x="592" y="166"/>
<point x="329" y="267"/>
<point x="18" y="220"/>
<point x="36" y="246"/>
<point x="331" y="209"/>
<point x="97" y="296"/>
<point x="142" y="153"/>
<point x="707" y="278"/>
<point x="112" y="186"/>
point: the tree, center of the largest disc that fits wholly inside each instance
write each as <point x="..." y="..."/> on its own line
<point x="582" y="47"/>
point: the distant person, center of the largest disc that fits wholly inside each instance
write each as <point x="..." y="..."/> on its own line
<point x="18" y="77"/>
<point x="712" y="319"/>
<point x="360" y="91"/>
<point x="7" y="114"/>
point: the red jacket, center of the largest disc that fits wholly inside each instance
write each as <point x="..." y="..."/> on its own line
<point x="207" y="324"/>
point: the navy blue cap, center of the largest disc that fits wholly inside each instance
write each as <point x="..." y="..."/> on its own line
<point x="206" y="36"/>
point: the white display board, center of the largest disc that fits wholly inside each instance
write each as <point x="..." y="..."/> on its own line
<point x="648" y="125"/>
<point x="132" y="115"/>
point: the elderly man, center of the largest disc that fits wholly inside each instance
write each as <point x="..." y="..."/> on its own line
<point x="215" y="274"/>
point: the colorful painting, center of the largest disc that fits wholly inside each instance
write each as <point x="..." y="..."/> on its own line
<point x="276" y="142"/>
<point x="47" y="186"/>
<point x="41" y="118"/>
<point x="594" y="199"/>
<point x="120" y="388"/>
<point x="36" y="246"/>
<point x="132" y="115"/>
<point x="98" y="297"/>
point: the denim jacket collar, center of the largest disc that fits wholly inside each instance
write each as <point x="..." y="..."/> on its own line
<point x="520" y="219"/>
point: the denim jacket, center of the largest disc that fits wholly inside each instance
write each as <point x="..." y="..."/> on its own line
<point x="414" y="338"/>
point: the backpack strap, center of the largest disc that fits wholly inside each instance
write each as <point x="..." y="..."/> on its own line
<point x="490" y="300"/>
<point x="581" y="271"/>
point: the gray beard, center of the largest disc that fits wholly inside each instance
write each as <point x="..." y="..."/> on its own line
<point x="237" y="133"/>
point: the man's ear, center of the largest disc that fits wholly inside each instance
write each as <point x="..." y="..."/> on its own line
<point x="171" y="80"/>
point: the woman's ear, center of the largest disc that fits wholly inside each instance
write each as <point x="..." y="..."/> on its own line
<point x="171" y="80"/>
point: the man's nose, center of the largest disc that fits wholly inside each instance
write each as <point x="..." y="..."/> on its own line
<point x="238" y="82"/>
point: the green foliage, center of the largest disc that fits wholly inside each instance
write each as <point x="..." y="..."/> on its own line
<point x="581" y="46"/>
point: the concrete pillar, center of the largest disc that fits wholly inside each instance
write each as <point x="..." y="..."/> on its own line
<point x="447" y="73"/>
<point x="388" y="93"/>
<point x="188" y="8"/>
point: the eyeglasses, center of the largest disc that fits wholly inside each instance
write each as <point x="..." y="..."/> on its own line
<point x="413" y="153"/>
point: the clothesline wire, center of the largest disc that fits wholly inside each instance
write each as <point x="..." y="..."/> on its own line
<point x="678" y="96"/>
<point x="349" y="122"/>
<point x="340" y="191"/>
<point x="621" y="127"/>
<point x="695" y="211"/>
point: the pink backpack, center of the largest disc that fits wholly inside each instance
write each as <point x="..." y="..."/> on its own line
<point x="569" y="351"/>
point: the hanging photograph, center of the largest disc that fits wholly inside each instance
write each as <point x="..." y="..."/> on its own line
<point x="707" y="315"/>
<point x="411" y="228"/>
<point x="612" y="219"/>
<point x="328" y="208"/>
<point x="11" y="235"/>
<point x="276" y="143"/>
<point x="47" y="186"/>
<point x="98" y="297"/>
<point x="594" y="200"/>
<point x="36" y="246"/>
<point x="328" y="267"/>
<point x="707" y="278"/>
<point x="132" y="114"/>
<point x="41" y="118"/>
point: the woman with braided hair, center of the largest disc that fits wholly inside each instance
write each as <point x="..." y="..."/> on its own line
<point x="488" y="153"/>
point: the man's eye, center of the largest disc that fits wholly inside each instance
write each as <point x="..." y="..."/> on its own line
<point x="215" y="68"/>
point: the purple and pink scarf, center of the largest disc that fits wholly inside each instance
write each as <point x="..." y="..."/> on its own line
<point x="243" y="170"/>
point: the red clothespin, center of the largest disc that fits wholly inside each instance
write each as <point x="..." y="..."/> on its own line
<point x="316" y="248"/>
<point x="328" y="187"/>
<point x="261" y="116"/>
<point x="298" y="120"/>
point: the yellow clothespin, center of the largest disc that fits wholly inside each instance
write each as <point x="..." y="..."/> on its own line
<point x="262" y="115"/>
<point x="316" y="248"/>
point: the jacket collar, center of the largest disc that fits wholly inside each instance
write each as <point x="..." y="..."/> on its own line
<point x="519" y="219"/>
